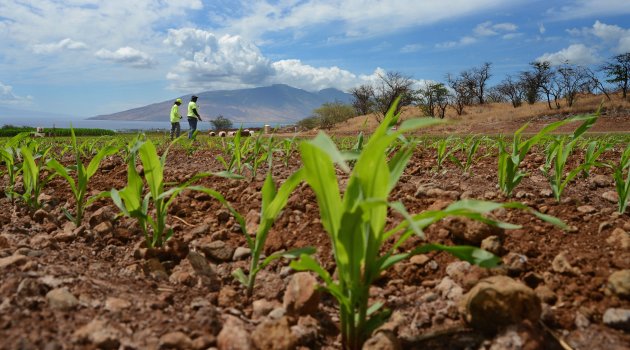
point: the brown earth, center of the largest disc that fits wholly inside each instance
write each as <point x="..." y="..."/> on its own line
<point x="502" y="118"/>
<point x="122" y="299"/>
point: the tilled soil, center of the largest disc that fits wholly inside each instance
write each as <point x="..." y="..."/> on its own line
<point x="109" y="292"/>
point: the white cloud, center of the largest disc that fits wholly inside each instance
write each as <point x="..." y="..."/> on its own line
<point x="541" y="28"/>
<point x="489" y="29"/>
<point x="38" y="25"/>
<point x="209" y="61"/>
<point x="466" y="40"/>
<point x="485" y="29"/>
<point x="62" y="45"/>
<point x="353" y="18"/>
<point x="411" y="48"/>
<point x="295" y="73"/>
<point x="7" y="97"/>
<point x="576" y="54"/>
<point x="128" y="56"/>
<point x="609" y="35"/>
<point x="590" y="9"/>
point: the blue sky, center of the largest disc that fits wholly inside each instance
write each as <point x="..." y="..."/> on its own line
<point x="89" y="57"/>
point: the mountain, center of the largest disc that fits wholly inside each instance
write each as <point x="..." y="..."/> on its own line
<point x="277" y="103"/>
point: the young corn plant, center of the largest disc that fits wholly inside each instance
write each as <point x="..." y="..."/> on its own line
<point x="594" y="150"/>
<point x="443" y="152"/>
<point x="287" y="149"/>
<point x="621" y="174"/>
<point x="509" y="172"/>
<point x="273" y="202"/>
<point x="131" y="201"/>
<point x="470" y="149"/>
<point x="356" y="222"/>
<point x="9" y="155"/>
<point x="558" y="154"/>
<point x="32" y="166"/>
<point x="83" y="175"/>
<point x="236" y="152"/>
<point x="259" y="154"/>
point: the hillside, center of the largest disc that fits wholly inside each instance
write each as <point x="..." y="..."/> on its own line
<point x="277" y="103"/>
<point x="502" y="118"/>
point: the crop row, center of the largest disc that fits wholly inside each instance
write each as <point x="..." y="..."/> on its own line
<point x="354" y="218"/>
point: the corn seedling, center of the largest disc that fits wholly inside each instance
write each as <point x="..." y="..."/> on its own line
<point x="509" y="173"/>
<point x="273" y="201"/>
<point x="287" y="149"/>
<point x="621" y="174"/>
<point x="470" y="149"/>
<point x="131" y="202"/>
<point x="594" y="150"/>
<point x="83" y="175"/>
<point x="259" y="154"/>
<point x="356" y="222"/>
<point x="442" y="152"/>
<point x="558" y="154"/>
<point x="32" y="166"/>
<point x="236" y="151"/>
<point x="9" y="155"/>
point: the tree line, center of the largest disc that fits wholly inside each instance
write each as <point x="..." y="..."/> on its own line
<point x="556" y="84"/>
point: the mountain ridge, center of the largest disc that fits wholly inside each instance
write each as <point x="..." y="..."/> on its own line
<point x="278" y="103"/>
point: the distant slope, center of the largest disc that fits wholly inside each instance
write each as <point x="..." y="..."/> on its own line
<point x="277" y="103"/>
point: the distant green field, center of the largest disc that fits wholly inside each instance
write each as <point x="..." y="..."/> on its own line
<point x="9" y="130"/>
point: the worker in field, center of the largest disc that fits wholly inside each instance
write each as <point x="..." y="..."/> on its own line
<point x="193" y="116"/>
<point x="175" y="117"/>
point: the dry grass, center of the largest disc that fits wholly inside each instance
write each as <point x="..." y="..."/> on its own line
<point x="497" y="117"/>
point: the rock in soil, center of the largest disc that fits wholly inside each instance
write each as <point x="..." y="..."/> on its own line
<point x="274" y="334"/>
<point x="301" y="296"/>
<point x="233" y="336"/>
<point x="16" y="259"/>
<point x="306" y="330"/>
<point x="175" y="340"/>
<point x="471" y="231"/>
<point x="99" y="334"/>
<point x="61" y="299"/>
<point x="562" y="265"/>
<point x="218" y="251"/>
<point x="500" y="301"/>
<point x="619" y="283"/>
<point x="617" y="318"/>
<point x="382" y="340"/>
<point x="619" y="238"/>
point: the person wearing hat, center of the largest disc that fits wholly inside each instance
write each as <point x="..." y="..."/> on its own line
<point x="193" y="116"/>
<point x="175" y="117"/>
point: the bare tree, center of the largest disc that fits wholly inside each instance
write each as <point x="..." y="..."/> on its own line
<point x="461" y="96"/>
<point x="363" y="99"/>
<point x="618" y="72"/>
<point x="481" y="75"/>
<point x="475" y="79"/>
<point x="596" y="83"/>
<point x="513" y="90"/>
<point x="391" y="86"/>
<point x="572" y="79"/>
<point x="545" y="77"/>
<point x="493" y="95"/>
<point x="433" y="97"/>
<point x="530" y="82"/>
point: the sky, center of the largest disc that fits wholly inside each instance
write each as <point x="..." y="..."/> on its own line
<point x="87" y="57"/>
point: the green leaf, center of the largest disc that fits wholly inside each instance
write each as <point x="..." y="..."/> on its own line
<point x="290" y="254"/>
<point x="320" y="175"/>
<point x="239" y="275"/>
<point x="307" y="263"/>
<point x="228" y="175"/>
<point x="153" y="171"/>
<point x="324" y="143"/>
